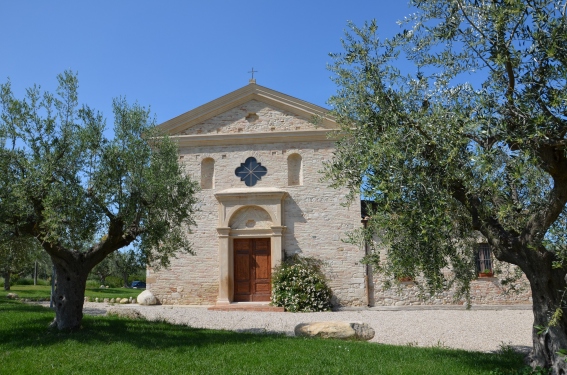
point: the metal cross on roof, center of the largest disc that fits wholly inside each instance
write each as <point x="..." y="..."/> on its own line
<point x="253" y="71"/>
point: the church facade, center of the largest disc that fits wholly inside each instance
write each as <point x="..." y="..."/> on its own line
<point x="257" y="154"/>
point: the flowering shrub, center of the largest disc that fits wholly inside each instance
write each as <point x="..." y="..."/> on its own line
<point x="299" y="285"/>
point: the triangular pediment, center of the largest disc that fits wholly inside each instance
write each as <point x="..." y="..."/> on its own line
<point x="252" y="108"/>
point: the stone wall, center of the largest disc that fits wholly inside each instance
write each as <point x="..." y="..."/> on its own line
<point x="313" y="215"/>
<point x="315" y="220"/>
<point x="484" y="291"/>
<point x="252" y="117"/>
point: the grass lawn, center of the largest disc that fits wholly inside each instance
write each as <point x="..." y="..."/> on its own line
<point x="121" y="346"/>
<point x="44" y="291"/>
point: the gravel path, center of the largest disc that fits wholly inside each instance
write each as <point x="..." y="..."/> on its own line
<point x="481" y="329"/>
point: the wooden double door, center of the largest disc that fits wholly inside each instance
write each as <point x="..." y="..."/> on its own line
<point x="252" y="269"/>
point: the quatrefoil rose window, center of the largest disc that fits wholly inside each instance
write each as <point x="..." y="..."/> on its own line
<point x="250" y="171"/>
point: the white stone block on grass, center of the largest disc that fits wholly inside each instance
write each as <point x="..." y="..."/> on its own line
<point x="336" y="330"/>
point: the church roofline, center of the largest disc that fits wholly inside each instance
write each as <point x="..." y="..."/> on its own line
<point x="252" y="91"/>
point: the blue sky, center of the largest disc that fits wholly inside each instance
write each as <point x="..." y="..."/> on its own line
<point x="177" y="55"/>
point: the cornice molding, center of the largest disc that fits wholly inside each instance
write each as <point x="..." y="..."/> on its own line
<point x="253" y="138"/>
<point x="237" y="193"/>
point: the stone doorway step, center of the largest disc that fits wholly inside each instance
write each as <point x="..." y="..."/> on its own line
<point x="247" y="306"/>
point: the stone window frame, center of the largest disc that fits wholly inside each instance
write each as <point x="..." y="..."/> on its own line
<point x="295" y="169"/>
<point x="483" y="257"/>
<point x="207" y="173"/>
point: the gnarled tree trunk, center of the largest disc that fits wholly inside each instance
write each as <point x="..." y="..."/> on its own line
<point x="69" y="294"/>
<point x="547" y="286"/>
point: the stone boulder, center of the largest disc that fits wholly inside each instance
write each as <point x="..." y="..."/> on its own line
<point x="363" y="331"/>
<point x="124" y="301"/>
<point x="146" y="298"/>
<point x="124" y="313"/>
<point x="11" y="296"/>
<point x="336" y="330"/>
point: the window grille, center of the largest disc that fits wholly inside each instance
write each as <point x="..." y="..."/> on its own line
<point x="483" y="258"/>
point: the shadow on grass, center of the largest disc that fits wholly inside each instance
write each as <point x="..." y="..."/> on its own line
<point x="44" y="291"/>
<point x="23" y="326"/>
<point x="9" y="305"/>
<point x="479" y="361"/>
<point x="150" y="335"/>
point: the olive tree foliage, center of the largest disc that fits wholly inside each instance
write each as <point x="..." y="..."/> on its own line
<point x="469" y="139"/>
<point x="103" y="269"/>
<point x="126" y="263"/>
<point x="123" y="264"/>
<point x="84" y="195"/>
<point x="17" y="255"/>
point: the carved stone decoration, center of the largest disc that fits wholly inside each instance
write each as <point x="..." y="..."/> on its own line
<point x="250" y="217"/>
<point x="251" y="171"/>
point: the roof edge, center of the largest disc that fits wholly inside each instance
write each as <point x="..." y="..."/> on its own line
<point x="246" y="93"/>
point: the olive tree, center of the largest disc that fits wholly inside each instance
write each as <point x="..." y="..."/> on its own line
<point x="126" y="263"/>
<point x="457" y="126"/>
<point x="17" y="254"/>
<point x="83" y="195"/>
<point x="103" y="269"/>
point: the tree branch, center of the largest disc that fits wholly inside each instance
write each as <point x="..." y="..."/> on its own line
<point x="99" y="204"/>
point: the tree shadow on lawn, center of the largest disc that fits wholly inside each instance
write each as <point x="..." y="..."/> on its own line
<point x="25" y="326"/>
<point x="481" y="361"/>
<point x="8" y="306"/>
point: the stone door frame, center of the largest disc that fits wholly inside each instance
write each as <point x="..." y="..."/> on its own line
<point x="231" y="201"/>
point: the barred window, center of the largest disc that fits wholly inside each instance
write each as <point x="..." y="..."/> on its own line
<point x="483" y="258"/>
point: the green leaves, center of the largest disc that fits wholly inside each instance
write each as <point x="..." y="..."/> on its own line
<point x="63" y="181"/>
<point x="462" y="141"/>
<point x="299" y="285"/>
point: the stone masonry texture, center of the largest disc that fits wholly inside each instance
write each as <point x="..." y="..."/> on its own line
<point x="314" y="215"/>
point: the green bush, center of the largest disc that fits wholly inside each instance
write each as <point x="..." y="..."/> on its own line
<point x="110" y="281"/>
<point x="93" y="283"/>
<point x="114" y="282"/>
<point x="299" y="285"/>
<point x="23" y="281"/>
<point x="17" y="280"/>
<point x="139" y="276"/>
<point x="29" y="281"/>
